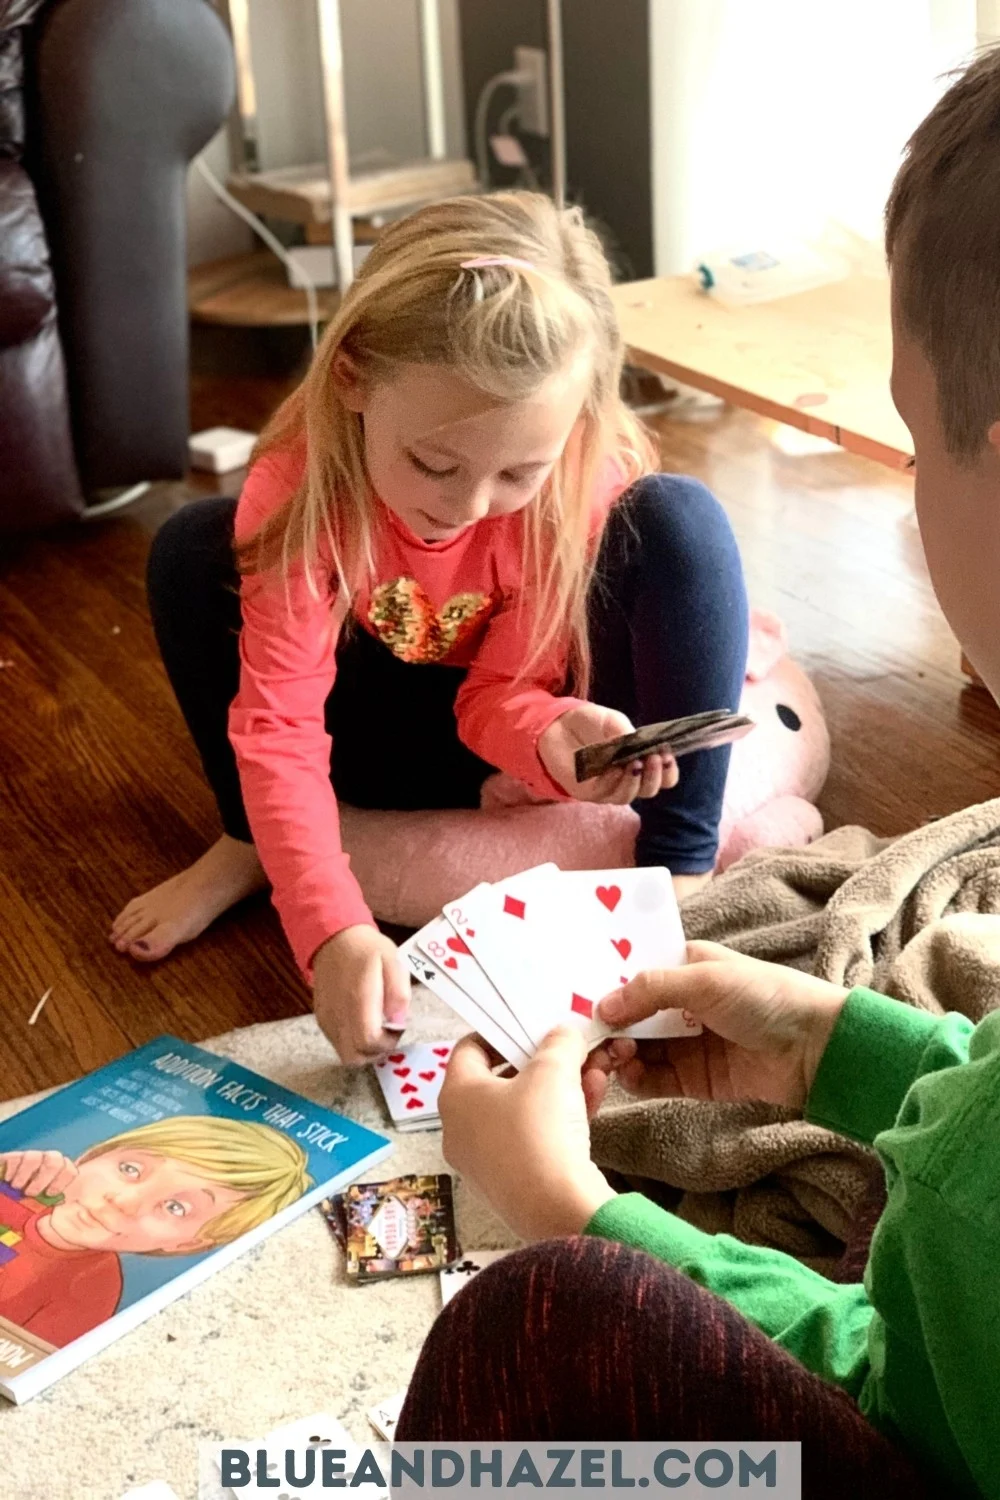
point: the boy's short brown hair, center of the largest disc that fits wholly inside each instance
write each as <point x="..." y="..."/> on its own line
<point x="942" y="239"/>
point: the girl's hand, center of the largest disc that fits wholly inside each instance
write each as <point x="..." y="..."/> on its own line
<point x="37" y="1173"/>
<point x="590" y="725"/>
<point x="524" y="1143"/>
<point x="765" y="1029"/>
<point x="358" y="983"/>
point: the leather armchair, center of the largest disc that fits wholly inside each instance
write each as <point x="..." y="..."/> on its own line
<point x="102" y="105"/>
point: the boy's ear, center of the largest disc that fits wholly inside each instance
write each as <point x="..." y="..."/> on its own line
<point x="993" y="436"/>
<point x="348" y="382"/>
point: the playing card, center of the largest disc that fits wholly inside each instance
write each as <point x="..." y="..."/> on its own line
<point x="440" y="942"/>
<point x="332" y="1210"/>
<point x="385" y="1414"/>
<point x="628" y="922"/>
<point x="454" y="1277"/>
<point x="411" y="1080"/>
<point x="400" y="1227"/>
<point x="449" y="991"/>
<point x="680" y="736"/>
<point x="318" y="1432"/>
<point x="555" y="946"/>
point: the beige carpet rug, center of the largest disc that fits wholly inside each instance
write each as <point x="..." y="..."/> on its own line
<point x="277" y="1336"/>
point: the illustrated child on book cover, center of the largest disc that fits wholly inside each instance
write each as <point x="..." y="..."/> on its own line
<point x="175" y="1187"/>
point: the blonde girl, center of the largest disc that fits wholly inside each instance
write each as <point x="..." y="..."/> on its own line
<point x="453" y="556"/>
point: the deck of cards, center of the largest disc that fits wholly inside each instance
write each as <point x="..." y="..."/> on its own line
<point x="404" y="1226"/>
<point x="541" y="949"/>
<point x="674" y="737"/>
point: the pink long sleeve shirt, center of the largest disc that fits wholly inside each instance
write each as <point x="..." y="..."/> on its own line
<point x="454" y="602"/>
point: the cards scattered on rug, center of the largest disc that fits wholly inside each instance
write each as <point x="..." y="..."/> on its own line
<point x="411" y="1079"/>
<point x="269" y="1461"/>
<point x="400" y="1227"/>
<point x="454" y="1277"/>
<point x="385" y="1414"/>
<point x="542" y="948"/>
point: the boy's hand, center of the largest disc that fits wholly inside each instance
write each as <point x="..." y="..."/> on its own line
<point x="37" y="1173"/>
<point x="590" y="724"/>
<point x="358" y="981"/>
<point x="765" y="1029"/>
<point x="523" y="1143"/>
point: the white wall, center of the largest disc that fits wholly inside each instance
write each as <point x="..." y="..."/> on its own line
<point x="383" y="89"/>
<point x="988" y="15"/>
<point x="773" y="117"/>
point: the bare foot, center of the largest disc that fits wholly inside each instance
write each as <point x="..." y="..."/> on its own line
<point x="183" y="906"/>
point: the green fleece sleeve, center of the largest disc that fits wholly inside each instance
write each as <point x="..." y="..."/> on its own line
<point x="935" y="1376"/>
<point x="822" y="1324"/>
<point x="878" y="1049"/>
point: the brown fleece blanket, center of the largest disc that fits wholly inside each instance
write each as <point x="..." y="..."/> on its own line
<point x="917" y="918"/>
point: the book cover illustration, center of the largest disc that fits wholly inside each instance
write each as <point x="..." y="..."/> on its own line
<point x="400" y="1227"/>
<point x="127" y="1186"/>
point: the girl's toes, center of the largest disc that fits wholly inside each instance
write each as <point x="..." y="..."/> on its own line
<point x="124" y="920"/>
<point x="152" y="945"/>
<point x="132" y="926"/>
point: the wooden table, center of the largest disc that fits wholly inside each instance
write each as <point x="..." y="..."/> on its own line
<point x="819" y="360"/>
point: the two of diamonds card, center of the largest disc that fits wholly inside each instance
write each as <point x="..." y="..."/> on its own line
<point x="542" y="948"/>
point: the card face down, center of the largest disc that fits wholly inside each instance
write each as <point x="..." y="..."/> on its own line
<point x="401" y="1227"/>
<point x="680" y="737"/>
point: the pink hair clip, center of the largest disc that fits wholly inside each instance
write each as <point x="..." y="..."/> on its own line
<point x="497" y="260"/>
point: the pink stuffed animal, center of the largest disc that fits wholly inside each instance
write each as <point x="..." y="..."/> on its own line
<point x="778" y="770"/>
<point x="410" y="863"/>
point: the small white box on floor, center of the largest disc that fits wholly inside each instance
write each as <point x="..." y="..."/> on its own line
<point x="220" y="449"/>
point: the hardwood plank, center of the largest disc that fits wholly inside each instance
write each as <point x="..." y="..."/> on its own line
<point x="70" y="1023"/>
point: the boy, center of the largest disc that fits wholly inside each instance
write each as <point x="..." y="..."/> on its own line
<point x="917" y="1347"/>
<point x="179" y="1186"/>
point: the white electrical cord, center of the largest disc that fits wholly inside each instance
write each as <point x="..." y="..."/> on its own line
<point x="270" y="240"/>
<point x="515" y="77"/>
<point x="117" y="502"/>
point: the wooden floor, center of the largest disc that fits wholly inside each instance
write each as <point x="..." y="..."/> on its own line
<point x="102" y="794"/>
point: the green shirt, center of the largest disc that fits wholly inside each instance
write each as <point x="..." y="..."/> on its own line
<point x="918" y="1345"/>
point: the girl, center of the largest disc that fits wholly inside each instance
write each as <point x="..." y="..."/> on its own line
<point x="453" y="557"/>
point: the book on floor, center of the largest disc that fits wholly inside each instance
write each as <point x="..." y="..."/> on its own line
<point x="122" y="1191"/>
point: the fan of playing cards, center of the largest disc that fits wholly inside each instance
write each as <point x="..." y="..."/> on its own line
<point x="542" y="948"/>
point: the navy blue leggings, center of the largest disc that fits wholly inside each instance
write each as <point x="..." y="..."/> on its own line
<point x="668" y="624"/>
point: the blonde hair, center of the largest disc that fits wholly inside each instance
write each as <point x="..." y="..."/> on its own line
<point x="262" y="1163"/>
<point x="942" y="243"/>
<point x="505" y="329"/>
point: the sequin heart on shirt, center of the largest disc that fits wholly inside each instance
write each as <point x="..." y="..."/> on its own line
<point x="406" y="621"/>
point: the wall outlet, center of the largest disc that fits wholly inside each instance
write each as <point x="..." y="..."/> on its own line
<point x="533" y="111"/>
